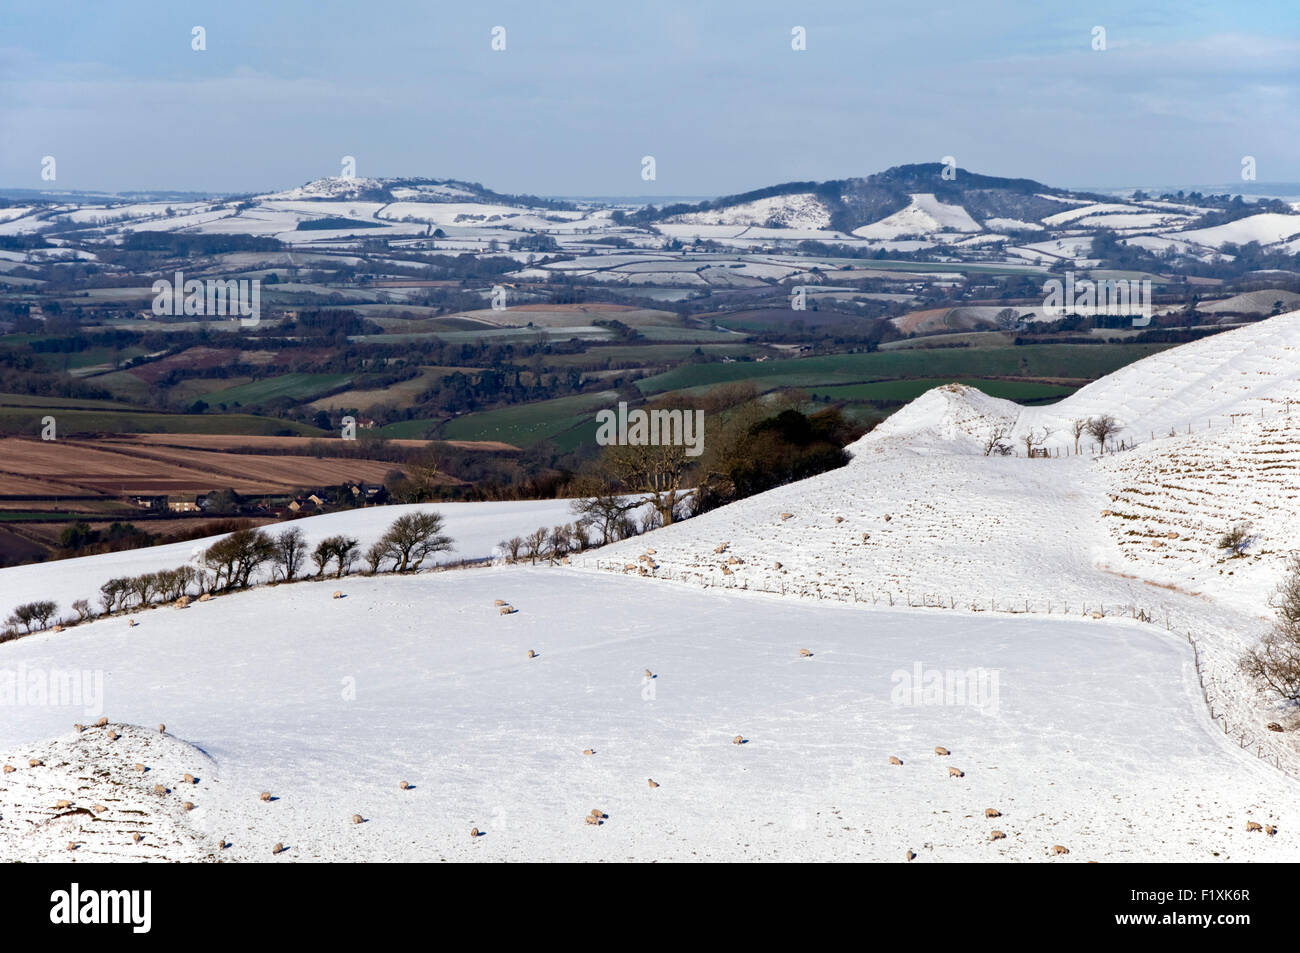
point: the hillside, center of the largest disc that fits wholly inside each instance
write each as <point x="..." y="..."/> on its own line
<point x="1033" y="616"/>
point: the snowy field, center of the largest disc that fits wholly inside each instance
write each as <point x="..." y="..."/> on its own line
<point x="1092" y="736"/>
<point x="1083" y="726"/>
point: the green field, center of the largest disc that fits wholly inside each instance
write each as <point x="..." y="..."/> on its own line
<point x="903" y="391"/>
<point x="295" y="387"/>
<point x="65" y="403"/>
<point x="1070" y="361"/>
<point x="560" y="420"/>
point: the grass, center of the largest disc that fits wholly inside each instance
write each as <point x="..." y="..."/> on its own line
<point x="907" y="390"/>
<point x="526" y="424"/>
<point x="295" y="387"/>
<point x="69" y="422"/>
<point x="1070" y="361"/>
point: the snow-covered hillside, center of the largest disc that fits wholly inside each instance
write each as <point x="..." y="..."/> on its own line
<point x="1083" y="735"/>
<point x="1051" y="601"/>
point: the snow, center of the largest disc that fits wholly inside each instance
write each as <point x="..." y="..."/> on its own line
<point x="925" y="214"/>
<point x="1075" y="580"/>
<point x="1092" y="739"/>
<point x="801" y="211"/>
<point x="1265" y="228"/>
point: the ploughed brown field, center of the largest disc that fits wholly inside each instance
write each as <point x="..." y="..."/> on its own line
<point x="175" y="465"/>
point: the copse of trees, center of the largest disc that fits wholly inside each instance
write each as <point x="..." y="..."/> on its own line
<point x="1275" y="662"/>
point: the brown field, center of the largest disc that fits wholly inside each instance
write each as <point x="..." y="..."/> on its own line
<point x="205" y="441"/>
<point x="122" y="467"/>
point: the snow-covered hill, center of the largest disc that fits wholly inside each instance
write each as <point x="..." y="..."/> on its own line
<point x="1030" y="615"/>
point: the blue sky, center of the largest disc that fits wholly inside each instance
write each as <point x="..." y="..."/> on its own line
<point x="583" y="90"/>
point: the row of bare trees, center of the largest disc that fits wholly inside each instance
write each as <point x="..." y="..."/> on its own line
<point x="997" y="440"/>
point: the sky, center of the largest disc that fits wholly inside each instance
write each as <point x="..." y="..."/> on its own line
<point x="583" y="91"/>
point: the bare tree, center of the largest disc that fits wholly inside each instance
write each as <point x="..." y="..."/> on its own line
<point x="1275" y="662"/>
<point x="1102" y="428"/>
<point x="1033" y="439"/>
<point x="995" y="441"/>
<point x="654" y="471"/>
<point x="414" y="537"/>
<point x="1078" y="427"/>
<point x="601" y="506"/>
<point x="535" y="543"/>
<point x="290" y="552"/>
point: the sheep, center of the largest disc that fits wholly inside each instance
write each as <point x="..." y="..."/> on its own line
<point x="140" y="769"/>
<point x="57" y="628"/>
<point x="956" y="773"/>
<point x="474" y="833"/>
<point x="278" y="849"/>
<point x="776" y="565"/>
<point x="102" y="722"/>
<point x="160" y="789"/>
<point x="98" y="808"/>
<point x="1058" y="850"/>
<point x="9" y="769"/>
<point x="888" y="517"/>
<point x="786" y="516"/>
<point x="35" y="763"/>
<point x="405" y="785"/>
<point x="206" y="597"/>
<point x="137" y="837"/>
<point x="992" y="812"/>
<point x="593" y="820"/>
<point x="628" y="567"/>
<point x="162" y="729"/>
<point x="265" y="796"/>
<point x="532" y="654"/>
<point x="805" y="653"/>
<point x="1253" y="826"/>
<point x="221" y="844"/>
<point x="189" y="779"/>
<point x="653" y="782"/>
<point x="738" y="740"/>
<point x="1270" y="830"/>
<point x="649" y="674"/>
<point x="189" y="805"/>
<point x="60" y="805"/>
<point x="911" y="856"/>
<point x="942" y="751"/>
<point x="589" y="751"/>
<point x="72" y="845"/>
<point x="182" y="603"/>
<point x="649" y="552"/>
<point x="597" y="812"/>
<point x="79" y="728"/>
<point x="132" y="624"/>
<point x="500" y="602"/>
<point x="865" y="537"/>
<point x="720" y="548"/>
<point x="893" y="759"/>
<point x="726" y="571"/>
<point x="508" y="610"/>
<point x="113" y="735"/>
<point x="1274" y="726"/>
<point x="735" y="561"/>
<point x="997" y="835"/>
<point x="839" y="519"/>
<point x="357" y="818"/>
<point x="338" y="594"/>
